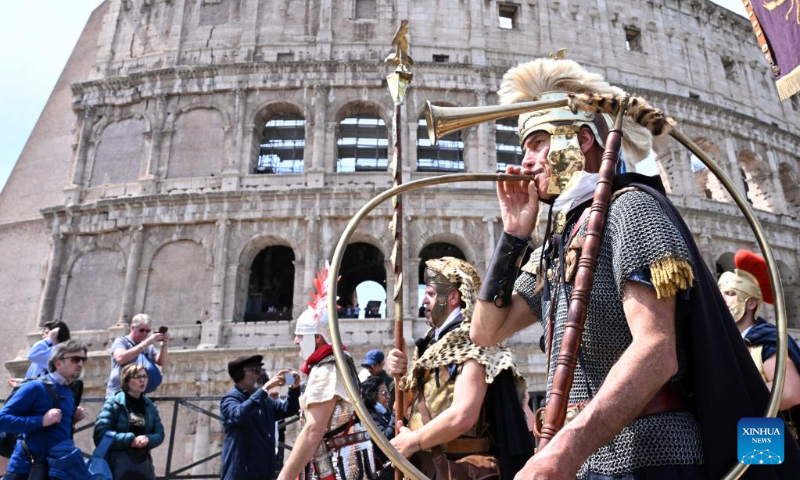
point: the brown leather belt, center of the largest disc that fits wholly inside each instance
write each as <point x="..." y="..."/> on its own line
<point x="341" y="441"/>
<point x="670" y="398"/>
<point x="467" y="445"/>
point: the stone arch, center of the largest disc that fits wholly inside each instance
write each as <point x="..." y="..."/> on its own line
<point x="261" y="147"/>
<point x="706" y="183"/>
<point x="117" y="116"/>
<point x="255" y="245"/>
<point x="791" y="188"/>
<point x="93" y="294"/>
<point x="384" y="244"/>
<point x="341" y="109"/>
<point x="448" y="153"/>
<point x="178" y="287"/>
<point x="118" y="150"/>
<point x="362" y="137"/>
<point x="197" y="147"/>
<point x="724" y="263"/>
<point x="757" y="179"/>
<point x="361" y="262"/>
<point x="451" y="238"/>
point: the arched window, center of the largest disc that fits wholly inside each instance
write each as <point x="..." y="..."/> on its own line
<point x="434" y="250"/>
<point x="282" y="144"/>
<point x="506" y="140"/>
<point x="791" y="188"/>
<point x="362" y="286"/>
<point x="446" y="156"/>
<point x="724" y="264"/>
<point x="271" y="286"/>
<point x="757" y="180"/>
<point x="363" y="144"/>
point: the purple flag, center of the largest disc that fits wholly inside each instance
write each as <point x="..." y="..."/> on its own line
<point x="777" y="27"/>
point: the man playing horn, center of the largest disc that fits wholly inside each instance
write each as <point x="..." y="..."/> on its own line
<point x="641" y="404"/>
<point x="745" y="289"/>
<point x="466" y="419"/>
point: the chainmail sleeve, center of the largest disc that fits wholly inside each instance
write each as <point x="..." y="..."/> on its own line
<point x="644" y="240"/>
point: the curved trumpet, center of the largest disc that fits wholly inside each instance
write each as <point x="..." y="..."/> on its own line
<point x="444" y="120"/>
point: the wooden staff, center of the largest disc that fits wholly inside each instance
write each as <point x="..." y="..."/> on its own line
<point x="556" y="410"/>
<point x="398" y="82"/>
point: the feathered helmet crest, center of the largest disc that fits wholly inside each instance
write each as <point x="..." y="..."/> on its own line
<point x="750" y="278"/>
<point x="314" y="320"/>
<point x="554" y="78"/>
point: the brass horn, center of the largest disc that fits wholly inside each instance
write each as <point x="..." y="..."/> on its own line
<point x="445" y="120"/>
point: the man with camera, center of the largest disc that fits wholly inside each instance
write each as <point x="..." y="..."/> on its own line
<point x="138" y="347"/>
<point x="249" y="415"/>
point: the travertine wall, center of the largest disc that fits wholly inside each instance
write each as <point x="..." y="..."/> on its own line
<point x="136" y="191"/>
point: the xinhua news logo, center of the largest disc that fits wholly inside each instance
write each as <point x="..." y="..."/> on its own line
<point x="760" y="441"/>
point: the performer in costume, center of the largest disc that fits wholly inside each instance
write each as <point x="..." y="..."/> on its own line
<point x="466" y="418"/>
<point x="744" y="290"/>
<point x="654" y="392"/>
<point x="333" y="444"/>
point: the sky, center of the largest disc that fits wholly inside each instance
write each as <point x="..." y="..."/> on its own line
<point x="37" y="37"/>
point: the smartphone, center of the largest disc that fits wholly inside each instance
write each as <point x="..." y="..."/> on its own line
<point x="163" y="329"/>
<point x="289" y="377"/>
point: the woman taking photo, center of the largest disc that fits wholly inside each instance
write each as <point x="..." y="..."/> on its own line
<point x="135" y="424"/>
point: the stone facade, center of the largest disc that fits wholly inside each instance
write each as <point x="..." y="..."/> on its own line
<point x="151" y="139"/>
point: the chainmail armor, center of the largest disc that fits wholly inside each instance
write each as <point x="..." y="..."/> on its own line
<point x="638" y="234"/>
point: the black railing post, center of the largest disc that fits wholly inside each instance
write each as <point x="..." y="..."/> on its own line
<point x="167" y="472"/>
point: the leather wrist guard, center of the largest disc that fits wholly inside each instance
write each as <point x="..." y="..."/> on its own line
<point x="503" y="270"/>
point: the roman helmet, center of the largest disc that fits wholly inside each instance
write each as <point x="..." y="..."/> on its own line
<point x="749" y="279"/>
<point x="556" y="78"/>
<point x="314" y="320"/>
<point x="445" y="275"/>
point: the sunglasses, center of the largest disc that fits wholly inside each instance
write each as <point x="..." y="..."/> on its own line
<point x="144" y="330"/>
<point x="77" y="360"/>
<point x="384" y="392"/>
<point x="140" y="377"/>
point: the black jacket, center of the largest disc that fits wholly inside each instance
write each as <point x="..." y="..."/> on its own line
<point x="248" y="421"/>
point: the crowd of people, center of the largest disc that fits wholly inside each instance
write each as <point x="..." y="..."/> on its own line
<point x="670" y="358"/>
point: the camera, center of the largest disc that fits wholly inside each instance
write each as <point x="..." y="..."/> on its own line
<point x="163" y="329"/>
<point x="289" y="377"/>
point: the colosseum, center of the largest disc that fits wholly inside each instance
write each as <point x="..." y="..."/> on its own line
<point x="204" y="157"/>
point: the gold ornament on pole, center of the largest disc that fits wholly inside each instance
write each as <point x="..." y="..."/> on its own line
<point x="398" y="82"/>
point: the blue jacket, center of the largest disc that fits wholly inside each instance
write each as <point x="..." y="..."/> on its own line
<point x="248" y="421"/>
<point x="114" y="418"/>
<point x="24" y="412"/>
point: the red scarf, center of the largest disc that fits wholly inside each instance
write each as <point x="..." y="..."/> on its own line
<point x="319" y="354"/>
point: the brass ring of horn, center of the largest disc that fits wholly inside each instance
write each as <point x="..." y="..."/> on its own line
<point x="341" y="362"/>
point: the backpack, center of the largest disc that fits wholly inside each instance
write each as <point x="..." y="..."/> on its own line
<point x="153" y="372"/>
<point x="8" y="441"/>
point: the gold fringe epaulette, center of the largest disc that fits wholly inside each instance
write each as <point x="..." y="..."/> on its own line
<point x="669" y="275"/>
